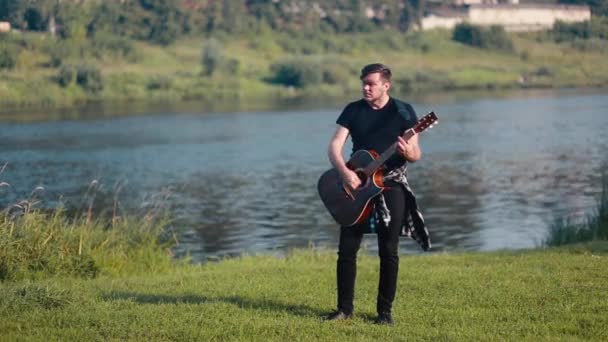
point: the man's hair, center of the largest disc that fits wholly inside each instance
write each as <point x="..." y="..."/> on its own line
<point x="382" y="69"/>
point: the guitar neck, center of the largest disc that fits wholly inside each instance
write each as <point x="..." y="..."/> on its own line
<point x="376" y="164"/>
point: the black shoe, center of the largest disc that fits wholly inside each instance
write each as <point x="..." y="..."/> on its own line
<point x="338" y="316"/>
<point x="385" y="318"/>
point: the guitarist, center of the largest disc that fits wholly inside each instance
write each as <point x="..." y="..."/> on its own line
<point x="375" y="123"/>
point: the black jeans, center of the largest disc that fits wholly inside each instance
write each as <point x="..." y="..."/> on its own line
<point x="388" y="250"/>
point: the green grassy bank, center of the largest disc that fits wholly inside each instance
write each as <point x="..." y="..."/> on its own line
<point x="546" y="294"/>
<point x="54" y="73"/>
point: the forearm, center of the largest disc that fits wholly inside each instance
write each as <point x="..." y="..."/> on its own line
<point x="335" y="157"/>
<point x="334" y="151"/>
<point x="413" y="156"/>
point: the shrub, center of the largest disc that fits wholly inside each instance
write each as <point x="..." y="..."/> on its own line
<point x="494" y="37"/>
<point x="89" y="78"/>
<point x="86" y="76"/>
<point x="568" y="31"/>
<point x="303" y="72"/>
<point x="597" y="27"/>
<point x="297" y="73"/>
<point x="8" y="56"/>
<point x="544" y="71"/>
<point x="159" y="82"/>
<point x="65" y="77"/>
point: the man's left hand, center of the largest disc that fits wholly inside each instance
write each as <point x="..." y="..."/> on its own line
<point x="404" y="148"/>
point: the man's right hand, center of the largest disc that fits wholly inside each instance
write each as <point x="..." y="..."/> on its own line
<point x="350" y="179"/>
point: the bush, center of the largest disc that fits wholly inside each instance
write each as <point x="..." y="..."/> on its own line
<point x="544" y="71"/>
<point x="304" y="72"/>
<point x="164" y="32"/>
<point x="297" y="73"/>
<point x="494" y="37"/>
<point x="65" y="76"/>
<point x="569" y="31"/>
<point x="8" y="56"/>
<point x="597" y="27"/>
<point x="86" y="76"/>
<point x="159" y="82"/>
<point x="89" y="78"/>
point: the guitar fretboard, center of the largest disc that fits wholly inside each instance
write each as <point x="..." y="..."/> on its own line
<point x="376" y="164"/>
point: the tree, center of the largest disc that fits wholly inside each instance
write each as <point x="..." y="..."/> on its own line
<point x="164" y="20"/>
<point x="598" y="7"/>
<point x="13" y="11"/>
<point x="211" y="57"/>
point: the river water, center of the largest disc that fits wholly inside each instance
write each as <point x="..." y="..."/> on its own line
<point x="495" y="172"/>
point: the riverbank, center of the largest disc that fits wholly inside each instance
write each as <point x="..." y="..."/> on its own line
<point x="422" y="62"/>
<point x="543" y="294"/>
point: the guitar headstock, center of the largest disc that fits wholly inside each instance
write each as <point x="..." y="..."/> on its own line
<point x="426" y="122"/>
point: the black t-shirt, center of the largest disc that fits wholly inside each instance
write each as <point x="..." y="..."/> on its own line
<point x="377" y="130"/>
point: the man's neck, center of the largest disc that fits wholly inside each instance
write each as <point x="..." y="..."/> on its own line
<point x="379" y="103"/>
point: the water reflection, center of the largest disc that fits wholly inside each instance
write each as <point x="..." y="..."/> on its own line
<point x="494" y="173"/>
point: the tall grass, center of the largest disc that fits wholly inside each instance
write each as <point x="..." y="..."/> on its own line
<point x="40" y="245"/>
<point x="563" y="231"/>
<point x="36" y="243"/>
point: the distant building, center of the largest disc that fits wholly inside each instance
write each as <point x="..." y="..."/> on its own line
<point x="5" y="26"/>
<point x="512" y="16"/>
<point x="485" y="2"/>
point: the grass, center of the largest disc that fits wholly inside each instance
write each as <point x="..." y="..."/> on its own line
<point x="442" y="63"/>
<point x="548" y="294"/>
<point x="37" y="245"/>
<point x="83" y="279"/>
<point x="563" y="231"/>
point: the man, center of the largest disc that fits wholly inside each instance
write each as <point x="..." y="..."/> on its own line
<point x="376" y="122"/>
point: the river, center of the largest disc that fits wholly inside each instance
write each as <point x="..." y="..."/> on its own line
<point x="495" y="172"/>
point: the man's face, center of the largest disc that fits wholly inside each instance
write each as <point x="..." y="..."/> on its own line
<point x="374" y="87"/>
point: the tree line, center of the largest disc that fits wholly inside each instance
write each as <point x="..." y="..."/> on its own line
<point x="163" y="21"/>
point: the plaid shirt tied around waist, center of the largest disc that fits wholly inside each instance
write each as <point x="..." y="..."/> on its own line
<point x="413" y="225"/>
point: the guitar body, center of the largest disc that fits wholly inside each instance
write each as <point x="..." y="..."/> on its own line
<point x="350" y="207"/>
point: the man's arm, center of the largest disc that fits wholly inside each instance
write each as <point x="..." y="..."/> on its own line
<point x="335" y="157"/>
<point x="410" y="150"/>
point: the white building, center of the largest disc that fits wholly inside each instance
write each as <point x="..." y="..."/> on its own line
<point x="513" y="17"/>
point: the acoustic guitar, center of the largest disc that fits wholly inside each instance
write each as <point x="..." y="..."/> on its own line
<point x="352" y="206"/>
